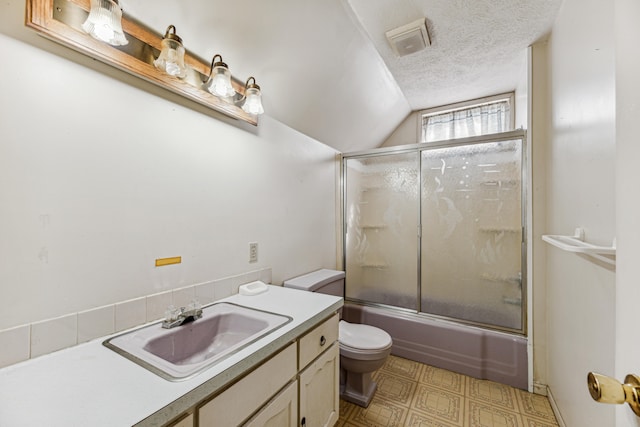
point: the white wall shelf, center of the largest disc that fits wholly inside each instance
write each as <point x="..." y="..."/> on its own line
<point x="576" y="244"/>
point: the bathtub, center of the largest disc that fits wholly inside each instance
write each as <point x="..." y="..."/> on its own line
<point x="479" y="353"/>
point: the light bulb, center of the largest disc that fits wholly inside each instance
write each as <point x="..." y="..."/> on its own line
<point x="219" y="83"/>
<point x="171" y="59"/>
<point x="104" y="22"/>
<point x="253" y="97"/>
<point x="253" y="103"/>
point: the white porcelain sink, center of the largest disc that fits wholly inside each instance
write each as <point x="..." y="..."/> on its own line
<point x="183" y="351"/>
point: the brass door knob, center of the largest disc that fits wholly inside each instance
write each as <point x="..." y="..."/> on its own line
<point x="605" y="389"/>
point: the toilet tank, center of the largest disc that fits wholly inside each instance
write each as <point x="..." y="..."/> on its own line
<point x="323" y="281"/>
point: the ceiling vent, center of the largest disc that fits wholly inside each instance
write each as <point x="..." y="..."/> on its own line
<point x="409" y="38"/>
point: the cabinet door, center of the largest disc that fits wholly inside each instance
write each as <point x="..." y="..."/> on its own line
<point x="320" y="390"/>
<point x="282" y="411"/>
<point x="234" y="405"/>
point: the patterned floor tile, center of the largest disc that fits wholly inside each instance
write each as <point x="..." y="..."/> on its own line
<point x="380" y="413"/>
<point x="441" y="378"/>
<point x="535" y="406"/>
<point x="416" y="395"/>
<point x="440" y="404"/>
<point x="345" y="409"/>
<point x="482" y="414"/>
<point x="492" y="393"/>
<point x="395" y="388"/>
<point x="418" y="419"/>
<point x="534" y="422"/>
<point x="404" y="367"/>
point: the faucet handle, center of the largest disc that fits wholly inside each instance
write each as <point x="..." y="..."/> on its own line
<point x="195" y="309"/>
<point x="171" y="314"/>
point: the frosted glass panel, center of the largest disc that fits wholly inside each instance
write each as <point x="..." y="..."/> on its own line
<point x="472" y="233"/>
<point x="381" y="241"/>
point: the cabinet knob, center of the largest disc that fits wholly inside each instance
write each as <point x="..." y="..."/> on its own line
<point x="605" y="389"/>
<point x="303" y="422"/>
<point x="323" y="340"/>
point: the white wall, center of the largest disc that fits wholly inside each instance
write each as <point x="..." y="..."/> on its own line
<point x="580" y="184"/>
<point x="98" y="178"/>
<point x="406" y="132"/>
<point x="627" y="201"/>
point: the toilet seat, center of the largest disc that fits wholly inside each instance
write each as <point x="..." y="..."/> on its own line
<point x="362" y="341"/>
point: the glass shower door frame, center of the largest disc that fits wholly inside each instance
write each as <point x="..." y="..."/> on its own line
<point x="419" y="148"/>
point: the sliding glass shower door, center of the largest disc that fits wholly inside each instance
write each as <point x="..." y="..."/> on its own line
<point x="381" y="229"/>
<point x="438" y="229"/>
<point x="472" y="233"/>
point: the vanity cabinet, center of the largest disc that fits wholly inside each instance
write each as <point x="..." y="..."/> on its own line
<point x="319" y="378"/>
<point x="299" y="386"/>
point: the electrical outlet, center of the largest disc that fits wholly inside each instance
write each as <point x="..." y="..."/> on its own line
<point x="253" y="252"/>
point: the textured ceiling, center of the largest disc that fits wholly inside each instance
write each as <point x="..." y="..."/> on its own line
<point x="478" y="47"/>
<point x="326" y="69"/>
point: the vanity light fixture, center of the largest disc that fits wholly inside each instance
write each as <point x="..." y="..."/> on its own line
<point x="105" y="22"/>
<point x="253" y="98"/>
<point x="100" y="29"/>
<point x="171" y="59"/>
<point x="219" y="82"/>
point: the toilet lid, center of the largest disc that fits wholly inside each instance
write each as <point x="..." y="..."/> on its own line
<point x="363" y="337"/>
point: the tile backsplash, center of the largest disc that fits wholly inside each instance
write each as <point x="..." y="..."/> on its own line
<point x="96" y="323"/>
<point x="39" y="338"/>
<point x="15" y="344"/>
<point x="54" y="334"/>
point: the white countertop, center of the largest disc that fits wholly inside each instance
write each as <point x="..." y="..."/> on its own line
<point x="91" y="385"/>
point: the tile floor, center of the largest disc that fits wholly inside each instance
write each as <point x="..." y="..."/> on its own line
<point x="417" y="395"/>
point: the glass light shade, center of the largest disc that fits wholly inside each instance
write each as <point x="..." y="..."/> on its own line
<point x="105" y="22"/>
<point x="171" y="59"/>
<point x="219" y="82"/>
<point x="253" y="101"/>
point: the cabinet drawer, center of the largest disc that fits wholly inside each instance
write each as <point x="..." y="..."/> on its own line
<point x="235" y="404"/>
<point x="318" y="340"/>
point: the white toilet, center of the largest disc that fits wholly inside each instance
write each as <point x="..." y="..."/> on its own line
<point x="363" y="348"/>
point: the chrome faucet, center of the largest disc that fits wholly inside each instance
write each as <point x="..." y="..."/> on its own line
<point x="176" y="317"/>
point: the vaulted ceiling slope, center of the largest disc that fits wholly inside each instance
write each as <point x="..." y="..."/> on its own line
<point x="325" y="66"/>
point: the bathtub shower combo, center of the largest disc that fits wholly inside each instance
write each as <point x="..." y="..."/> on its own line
<point x="434" y="252"/>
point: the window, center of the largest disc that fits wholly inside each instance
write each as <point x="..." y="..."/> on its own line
<point x="478" y="117"/>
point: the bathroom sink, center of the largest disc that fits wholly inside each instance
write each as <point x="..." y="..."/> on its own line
<point x="183" y="351"/>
